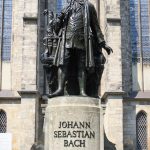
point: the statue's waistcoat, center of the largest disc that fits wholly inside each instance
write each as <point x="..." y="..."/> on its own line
<point x="75" y="28"/>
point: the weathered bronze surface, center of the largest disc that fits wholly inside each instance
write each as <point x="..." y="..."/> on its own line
<point x="73" y="59"/>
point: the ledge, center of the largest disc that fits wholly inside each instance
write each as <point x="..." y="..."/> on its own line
<point x="112" y="93"/>
<point x="113" y="20"/>
<point x="9" y="95"/>
<point x="25" y="92"/>
<point x="30" y="17"/>
<point x="139" y="95"/>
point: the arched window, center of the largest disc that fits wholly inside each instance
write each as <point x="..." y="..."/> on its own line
<point x="5" y="28"/>
<point x="3" y="121"/>
<point x="141" y="130"/>
<point x="140" y="42"/>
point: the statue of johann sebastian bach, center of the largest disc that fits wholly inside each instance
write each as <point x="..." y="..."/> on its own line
<point x="82" y="39"/>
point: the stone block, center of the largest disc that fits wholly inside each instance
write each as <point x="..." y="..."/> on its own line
<point x="72" y="123"/>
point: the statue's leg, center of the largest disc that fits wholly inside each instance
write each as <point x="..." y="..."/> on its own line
<point x="82" y="72"/>
<point x="82" y="82"/>
<point x="62" y="75"/>
<point x="62" y="71"/>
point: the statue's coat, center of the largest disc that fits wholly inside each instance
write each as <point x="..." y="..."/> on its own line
<point x="92" y="33"/>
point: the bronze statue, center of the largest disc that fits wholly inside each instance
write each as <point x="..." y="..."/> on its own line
<point x="78" y="56"/>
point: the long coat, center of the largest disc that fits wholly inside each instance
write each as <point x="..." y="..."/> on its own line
<point x="92" y="34"/>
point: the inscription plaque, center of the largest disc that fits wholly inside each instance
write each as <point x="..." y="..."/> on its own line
<point x="75" y="133"/>
<point x="73" y="125"/>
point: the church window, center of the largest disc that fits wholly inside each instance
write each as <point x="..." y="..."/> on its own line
<point x="61" y="4"/>
<point x="141" y="130"/>
<point x="5" y="29"/>
<point x="140" y="43"/>
<point x="3" y="121"/>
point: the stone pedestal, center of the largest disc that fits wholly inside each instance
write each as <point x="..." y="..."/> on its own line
<point x="113" y="120"/>
<point x="72" y="123"/>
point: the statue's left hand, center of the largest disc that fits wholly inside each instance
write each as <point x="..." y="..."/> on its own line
<point x="108" y="49"/>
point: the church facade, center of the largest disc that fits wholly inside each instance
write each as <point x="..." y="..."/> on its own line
<point x="125" y="84"/>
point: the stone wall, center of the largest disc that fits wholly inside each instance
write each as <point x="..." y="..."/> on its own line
<point x="131" y="109"/>
<point x="126" y="46"/>
<point x="27" y="74"/>
<point x="28" y="120"/>
<point x="24" y="45"/>
<point x="28" y="78"/>
<point x="129" y="125"/>
<point x="6" y="75"/>
<point x="22" y="111"/>
<point x="113" y="120"/>
<point x="112" y="29"/>
<point x="93" y="2"/>
<point x="21" y="120"/>
<point x="17" y="44"/>
<point x="13" y="122"/>
<point x="112" y="77"/>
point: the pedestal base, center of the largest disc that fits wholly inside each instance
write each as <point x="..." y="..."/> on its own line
<point x="72" y="123"/>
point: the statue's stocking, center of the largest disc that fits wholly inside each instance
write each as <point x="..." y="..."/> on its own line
<point x="61" y="82"/>
<point x="82" y="82"/>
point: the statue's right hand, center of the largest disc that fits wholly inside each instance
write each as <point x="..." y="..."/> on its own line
<point x="108" y="49"/>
